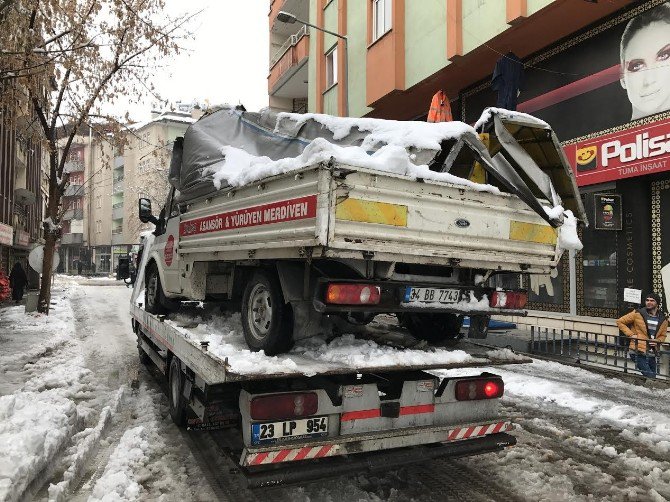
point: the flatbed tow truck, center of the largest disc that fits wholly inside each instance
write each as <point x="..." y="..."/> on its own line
<point x="340" y="407"/>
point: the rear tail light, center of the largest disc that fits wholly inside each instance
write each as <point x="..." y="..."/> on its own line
<point x="480" y="388"/>
<point x="281" y="406"/>
<point x="353" y="294"/>
<point x="508" y="299"/>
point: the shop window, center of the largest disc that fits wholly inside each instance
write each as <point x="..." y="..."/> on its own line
<point x="596" y="266"/>
<point x="331" y="68"/>
<point x="381" y="18"/>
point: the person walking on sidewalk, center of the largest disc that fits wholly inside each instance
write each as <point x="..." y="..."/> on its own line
<point x="17" y="280"/>
<point x="642" y="326"/>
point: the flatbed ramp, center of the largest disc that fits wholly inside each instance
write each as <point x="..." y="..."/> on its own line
<point x="215" y="349"/>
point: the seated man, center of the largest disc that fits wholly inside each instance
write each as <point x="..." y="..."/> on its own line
<point x="642" y="326"/>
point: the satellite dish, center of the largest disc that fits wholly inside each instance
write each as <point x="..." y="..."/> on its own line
<point x="36" y="258"/>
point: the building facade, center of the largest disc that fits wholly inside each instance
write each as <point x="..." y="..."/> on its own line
<point x="21" y="199"/>
<point x="595" y="71"/>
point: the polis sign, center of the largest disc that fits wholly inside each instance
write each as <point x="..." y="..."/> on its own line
<point x="624" y="154"/>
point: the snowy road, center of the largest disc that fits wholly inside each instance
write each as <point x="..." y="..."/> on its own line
<point x="81" y="420"/>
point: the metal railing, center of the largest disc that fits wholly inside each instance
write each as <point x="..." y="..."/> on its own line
<point x="290" y="42"/>
<point x="117" y="205"/>
<point x="117" y="230"/>
<point x="614" y="351"/>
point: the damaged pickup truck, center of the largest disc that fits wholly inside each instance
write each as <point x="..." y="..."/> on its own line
<point x="300" y="221"/>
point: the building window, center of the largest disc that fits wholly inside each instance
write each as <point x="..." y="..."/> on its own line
<point x="98" y="201"/>
<point x="381" y="18"/>
<point x="331" y="68"/>
<point x="98" y="226"/>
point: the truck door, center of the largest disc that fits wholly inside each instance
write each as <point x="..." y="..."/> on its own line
<point x="170" y="252"/>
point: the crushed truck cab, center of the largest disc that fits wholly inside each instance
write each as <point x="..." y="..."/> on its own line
<point x="290" y="220"/>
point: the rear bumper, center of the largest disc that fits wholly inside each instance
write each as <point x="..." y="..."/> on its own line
<point x="393" y="300"/>
<point x="276" y="474"/>
<point x="255" y="456"/>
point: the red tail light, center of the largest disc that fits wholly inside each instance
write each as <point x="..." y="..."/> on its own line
<point x="281" y="406"/>
<point x="508" y="299"/>
<point x="353" y="294"/>
<point x="480" y="388"/>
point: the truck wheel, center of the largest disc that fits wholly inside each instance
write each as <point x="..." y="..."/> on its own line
<point x="175" y="395"/>
<point x="266" y="320"/>
<point x="433" y="327"/>
<point x="155" y="301"/>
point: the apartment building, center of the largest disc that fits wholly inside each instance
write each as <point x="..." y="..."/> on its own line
<point x="142" y="171"/>
<point x="21" y="198"/>
<point x="584" y="71"/>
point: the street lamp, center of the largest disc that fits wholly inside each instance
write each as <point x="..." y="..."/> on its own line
<point x="288" y="18"/>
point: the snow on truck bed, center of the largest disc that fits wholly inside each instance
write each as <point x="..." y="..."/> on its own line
<point x="345" y="353"/>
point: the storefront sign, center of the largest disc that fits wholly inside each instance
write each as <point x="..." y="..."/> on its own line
<point x="625" y="154"/>
<point x="632" y="295"/>
<point x="6" y="235"/>
<point x="21" y="238"/>
<point x="608" y="211"/>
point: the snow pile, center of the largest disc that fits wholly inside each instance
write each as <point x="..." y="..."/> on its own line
<point x="120" y="479"/>
<point x="34" y="426"/>
<point x="508" y="115"/>
<point x="86" y="443"/>
<point x="402" y="133"/>
<point x="41" y="414"/>
<point x="568" y="239"/>
<point x="309" y="356"/>
<point x="505" y="355"/>
<point x="240" y="168"/>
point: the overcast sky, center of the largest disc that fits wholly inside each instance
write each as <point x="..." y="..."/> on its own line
<point x="227" y="62"/>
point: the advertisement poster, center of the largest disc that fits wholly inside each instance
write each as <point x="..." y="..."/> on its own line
<point x="611" y="74"/>
<point x="607" y="211"/>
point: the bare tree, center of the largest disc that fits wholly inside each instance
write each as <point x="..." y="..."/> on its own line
<point x="69" y="59"/>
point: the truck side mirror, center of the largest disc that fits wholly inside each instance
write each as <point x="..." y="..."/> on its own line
<point x="145" y="211"/>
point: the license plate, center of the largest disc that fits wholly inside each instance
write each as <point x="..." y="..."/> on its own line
<point x="273" y="432"/>
<point x="431" y="295"/>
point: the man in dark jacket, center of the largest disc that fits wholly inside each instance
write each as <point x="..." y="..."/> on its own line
<point x="17" y="280"/>
<point x="645" y="327"/>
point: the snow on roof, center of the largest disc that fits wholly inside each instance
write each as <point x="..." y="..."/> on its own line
<point x="184" y="118"/>
<point x="238" y="168"/>
<point x="404" y="133"/>
<point x="507" y="114"/>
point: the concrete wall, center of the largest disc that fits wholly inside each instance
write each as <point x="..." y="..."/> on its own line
<point x="482" y="20"/>
<point x="425" y="39"/>
<point x="357" y="33"/>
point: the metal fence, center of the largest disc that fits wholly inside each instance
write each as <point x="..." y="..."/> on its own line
<point x="613" y="351"/>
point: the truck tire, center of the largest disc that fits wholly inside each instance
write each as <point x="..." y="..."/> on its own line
<point x="433" y="328"/>
<point x="175" y="393"/>
<point x="155" y="301"/>
<point x="267" y="321"/>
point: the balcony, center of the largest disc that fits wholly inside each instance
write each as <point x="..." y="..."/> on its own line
<point x="299" y="8"/>
<point x="288" y="67"/>
<point x="73" y="214"/>
<point x="118" y="162"/>
<point x="117" y="239"/>
<point x="73" y="166"/>
<point x="74" y="191"/>
<point x="118" y="185"/>
<point x="117" y="212"/>
<point x="72" y="239"/>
